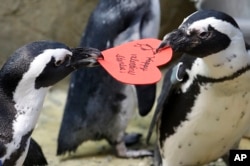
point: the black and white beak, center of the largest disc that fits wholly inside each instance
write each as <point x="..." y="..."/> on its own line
<point x="164" y="44"/>
<point x="177" y="39"/>
<point x="85" y="57"/>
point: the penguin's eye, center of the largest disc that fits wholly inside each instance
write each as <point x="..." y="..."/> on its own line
<point x="61" y="61"/>
<point x="204" y="34"/>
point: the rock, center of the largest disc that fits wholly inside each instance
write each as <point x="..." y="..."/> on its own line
<point x="173" y="13"/>
<point x="26" y="21"/>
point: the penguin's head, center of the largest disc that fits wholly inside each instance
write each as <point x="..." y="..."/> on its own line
<point x="44" y="63"/>
<point x="204" y="33"/>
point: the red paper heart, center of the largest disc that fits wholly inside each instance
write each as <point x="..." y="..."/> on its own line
<point x="136" y="62"/>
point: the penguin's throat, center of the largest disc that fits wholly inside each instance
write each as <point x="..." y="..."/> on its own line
<point x="227" y="61"/>
<point x="217" y="66"/>
<point x="28" y="106"/>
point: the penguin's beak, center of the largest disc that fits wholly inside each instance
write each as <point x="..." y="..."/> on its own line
<point x="164" y="44"/>
<point x="85" y="57"/>
<point x="178" y="40"/>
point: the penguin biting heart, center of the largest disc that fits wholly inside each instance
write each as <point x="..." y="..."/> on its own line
<point x="24" y="81"/>
<point x="203" y="108"/>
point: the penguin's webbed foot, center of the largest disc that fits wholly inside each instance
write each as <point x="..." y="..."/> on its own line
<point x="123" y="152"/>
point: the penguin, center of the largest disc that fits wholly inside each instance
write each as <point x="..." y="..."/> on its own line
<point x="105" y="106"/>
<point x="24" y="80"/>
<point x="203" y="107"/>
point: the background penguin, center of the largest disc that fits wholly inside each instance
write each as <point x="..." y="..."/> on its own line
<point x="24" y="81"/>
<point x="203" y="108"/>
<point x="105" y="105"/>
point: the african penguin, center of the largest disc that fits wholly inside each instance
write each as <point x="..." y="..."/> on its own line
<point x="203" y="108"/>
<point x="105" y="106"/>
<point x="24" y="80"/>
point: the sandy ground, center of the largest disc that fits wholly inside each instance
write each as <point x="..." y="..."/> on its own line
<point x="90" y="153"/>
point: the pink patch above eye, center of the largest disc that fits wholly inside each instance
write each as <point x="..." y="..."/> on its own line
<point x="136" y="62"/>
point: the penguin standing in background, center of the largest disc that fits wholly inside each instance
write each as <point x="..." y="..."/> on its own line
<point x="104" y="106"/>
<point x="203" y="108"/>
<point x="24" y="80"/>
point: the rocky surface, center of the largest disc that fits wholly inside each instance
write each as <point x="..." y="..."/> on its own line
<point x="25" y="21"/>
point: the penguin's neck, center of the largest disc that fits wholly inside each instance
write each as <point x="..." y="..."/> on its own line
<point x="225" y="62"/>
<point x="28" y="104"/>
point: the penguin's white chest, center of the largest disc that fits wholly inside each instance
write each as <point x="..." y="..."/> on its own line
<point x="219" y="118"/>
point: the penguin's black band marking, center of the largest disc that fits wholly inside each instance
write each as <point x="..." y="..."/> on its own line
<point x="203" y="79"/>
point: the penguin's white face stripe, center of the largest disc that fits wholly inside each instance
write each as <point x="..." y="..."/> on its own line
<point x="28" y="100"/>
<point x="220" y="25"/>
<point x="40" y="61"/>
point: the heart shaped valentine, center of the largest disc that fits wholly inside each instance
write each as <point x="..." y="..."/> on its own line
<point x="136" y="62"/>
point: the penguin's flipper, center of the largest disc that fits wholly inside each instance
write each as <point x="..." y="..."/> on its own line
<point x="171" y="80"/>
<point x="35" y="155"/>
<point x="146" y="98"/>
<point x="157" y="156"/>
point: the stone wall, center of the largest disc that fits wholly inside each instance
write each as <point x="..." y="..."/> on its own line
<point x="25" y="21"/>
